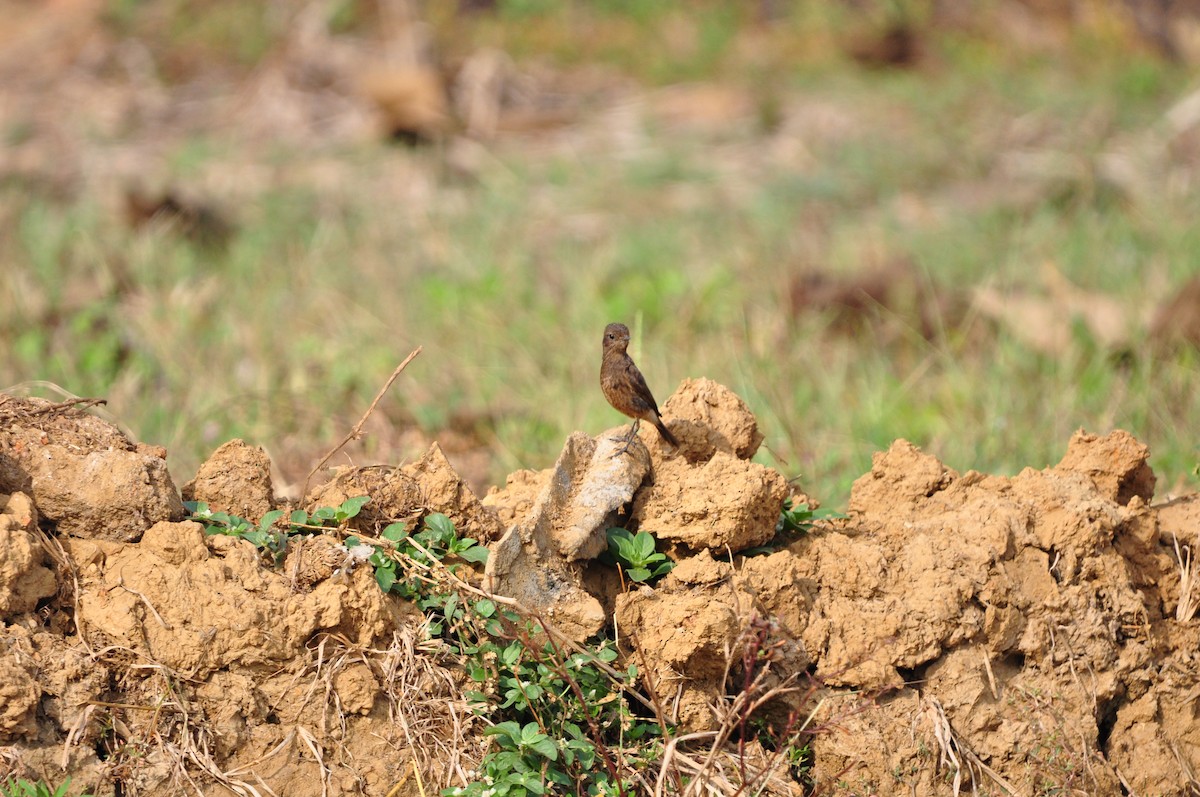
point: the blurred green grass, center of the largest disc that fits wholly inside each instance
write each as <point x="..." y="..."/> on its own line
<point x="507" y="278"/>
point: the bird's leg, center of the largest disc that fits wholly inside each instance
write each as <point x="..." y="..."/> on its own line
<point x="627" y="439"/>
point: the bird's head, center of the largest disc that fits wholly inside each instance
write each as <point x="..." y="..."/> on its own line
<point x="616" y="337"/>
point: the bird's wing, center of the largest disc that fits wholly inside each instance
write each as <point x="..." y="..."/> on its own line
<point x="641" y="388"/>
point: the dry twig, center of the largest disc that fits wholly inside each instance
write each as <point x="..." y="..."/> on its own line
<point x="357" y="430"/>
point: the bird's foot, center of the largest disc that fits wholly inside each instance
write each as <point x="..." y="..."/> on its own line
<point x="627" y="439"/>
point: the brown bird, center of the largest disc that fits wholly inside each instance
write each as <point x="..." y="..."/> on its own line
<point x="625" y="387"/>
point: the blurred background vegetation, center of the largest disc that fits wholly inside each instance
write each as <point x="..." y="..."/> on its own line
<point x="967" y="224"/>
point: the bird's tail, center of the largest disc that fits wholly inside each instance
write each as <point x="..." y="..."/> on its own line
<point x="665" y="432"/>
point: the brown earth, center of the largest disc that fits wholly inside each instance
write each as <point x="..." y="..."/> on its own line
<point x="1009" y="635"/>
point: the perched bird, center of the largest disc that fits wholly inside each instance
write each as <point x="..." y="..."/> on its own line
<point x="625" y="387"/>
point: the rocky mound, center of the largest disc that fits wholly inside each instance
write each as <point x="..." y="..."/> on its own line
<point x="956" y="632"/>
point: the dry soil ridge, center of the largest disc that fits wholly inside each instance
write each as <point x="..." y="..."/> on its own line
<point x="1018" y="634"/>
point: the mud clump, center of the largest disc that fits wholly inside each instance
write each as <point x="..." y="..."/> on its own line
<point x="535" y="561"/>
<point x="236" y="479"/>
<point x="24" y="577"/>
<point x="1116" y="464"/>
<point x="681" y="505"/>
<point x="1001" y="613"/>
<point x="684" y="631"/>
<point x="242" y="614"/>
<point x="83" y="474"/>
<point x="405" y="493"/>
<point x="19" y="697"/>
<point x="708" y="417"/>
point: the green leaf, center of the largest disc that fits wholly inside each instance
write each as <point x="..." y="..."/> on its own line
<point x="476" y="553"/>
<point x="298" y="517"/>
<point x="385" y="577"/>
<point x="394" y="532"/>
<point x="441" y="526"/>
<point x="351" y="507"/>
<point x="617" y="538"/>
<point x="258" y="538"/>
<point x="638" y="573"/>
<point x="533" y="738"/>
<point x="511" y="731"/>
<point x="662" y="569"/>
<point x="485" y="607"/>
<point x="645" y="545"/>
<point x="544" y="747"/>
<point x="268" y="520"/>
<point x="325" y="513"/>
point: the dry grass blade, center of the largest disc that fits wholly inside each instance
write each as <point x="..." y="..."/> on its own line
<point x="69" y="401"/>
<point x="1193" y="783"/>
<point x="954" y="751"/>
<point x="722" y="767"/>
<point x="9" y="411"/>
<point x="1189" y="596"/>
<point x="427" y="703"/>
<point x="314" y="747"/>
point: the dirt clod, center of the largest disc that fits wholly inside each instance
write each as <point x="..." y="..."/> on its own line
<point x="682" y="506"/>
<point x="528" y="562"/>
<point x="398" y="493"/>
<point x="18" y="696"/>
<point x="235" y="479"/>
<point x="83" y="474"/>
<point x="234" y="611"/>
<point x="708" y="417"/>
<point x="1027" y="610"/>
<point x="1116" y="464"/>
<point x="24" y="578"/>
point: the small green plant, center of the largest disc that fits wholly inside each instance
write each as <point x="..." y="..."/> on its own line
<point x="636" y="555"/>
<point x="561" y="720"/>
<point x="799" y="520"/>
<point x="405" y="568"/>
<point x="799" y="759"/>
<point x="268" y="535"/>
<point x="329" y="516"/>
<point x="793" y="523"/>
<point x="523" y="754"/>
<point x="436" y="541"/>
<point x="24" y="788"/>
